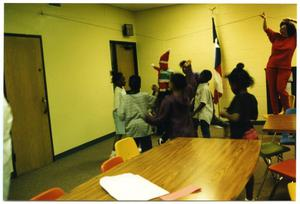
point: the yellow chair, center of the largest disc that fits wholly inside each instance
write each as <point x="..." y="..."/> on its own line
<point x="292" y="190"/>
<point x="126" y="148"/>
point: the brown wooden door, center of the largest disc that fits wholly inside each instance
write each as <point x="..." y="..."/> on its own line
<point x="124" y="59"/>
<point x="26" y="93"/>
<point x="125" y="62"/>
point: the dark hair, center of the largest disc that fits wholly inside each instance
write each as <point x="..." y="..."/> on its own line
<point x="178" y="81"/>
<point x="205" y="75"/>
<point x="135" y="82"/>
<point x="116" y="77"/>
<point x="240" y="77"/>
<point x="290" y="27"/>
<point x="182" y="63"/>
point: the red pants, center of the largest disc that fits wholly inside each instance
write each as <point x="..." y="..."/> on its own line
<point x="277" y="80"/>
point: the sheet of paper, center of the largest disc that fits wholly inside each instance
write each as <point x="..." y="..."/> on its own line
<point x="130" y="186"/>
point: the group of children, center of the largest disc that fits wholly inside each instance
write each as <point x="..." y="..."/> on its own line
<point x="183" y="102"/>
<point x="188" y="105"/>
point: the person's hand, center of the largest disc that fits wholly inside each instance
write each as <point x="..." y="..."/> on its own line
<point x="155" y="67"/>
<point x="223" y="113"/>
<point x="263" y="16"/>
<point x="188" y="64"/>
<point x="289" y="20"/>
<point x="154" y="88"/>
<point x="147" y="117"/>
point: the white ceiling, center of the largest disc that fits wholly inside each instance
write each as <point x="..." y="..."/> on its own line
<point x="139" y="7"/>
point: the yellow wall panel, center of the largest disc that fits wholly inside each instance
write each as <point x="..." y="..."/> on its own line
<point x="77" y="64"/>
<point x="187" y="31"/>
<point x="77" y="53"/>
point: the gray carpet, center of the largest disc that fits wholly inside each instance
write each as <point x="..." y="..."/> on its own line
<point x="80" y="166"/>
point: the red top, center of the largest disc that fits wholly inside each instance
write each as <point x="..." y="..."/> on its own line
<point x="282" y="50"/>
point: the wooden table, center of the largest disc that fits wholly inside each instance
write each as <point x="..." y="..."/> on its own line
<point x="280" y="123"/>
<point x="221" y="167"/>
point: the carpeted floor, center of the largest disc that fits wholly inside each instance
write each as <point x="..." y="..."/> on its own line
<point x="80" y="166"/>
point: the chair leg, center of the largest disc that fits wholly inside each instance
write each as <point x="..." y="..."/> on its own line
<point x="268" y="161"/>
<point x="279" y="158"/>
<point x="262" y="184"/>
<point x="275" y="187"/>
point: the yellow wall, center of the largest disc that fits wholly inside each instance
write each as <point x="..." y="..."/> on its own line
<point x="77" y="55"/>
<point x="186" y="30"/>
<point x="77" y="65"/>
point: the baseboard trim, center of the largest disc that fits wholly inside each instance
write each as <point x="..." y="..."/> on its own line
<point x="105" y="137"/>
<point x="83" y="146"/>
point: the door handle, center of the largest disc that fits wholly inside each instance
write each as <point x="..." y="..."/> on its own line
<point x="44" y="100"/>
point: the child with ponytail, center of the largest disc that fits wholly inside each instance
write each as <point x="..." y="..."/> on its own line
<point x="242" y="109"/>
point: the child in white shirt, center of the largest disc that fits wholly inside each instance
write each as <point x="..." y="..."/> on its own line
<point x="203" y="104"/>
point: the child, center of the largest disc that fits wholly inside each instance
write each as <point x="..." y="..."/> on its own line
<point x="133" y="108"/>
<point x="118" y="81"/>
<point x="174" y="111"/>
<point x="203" y="105"/>
<point x="242" y="110"/>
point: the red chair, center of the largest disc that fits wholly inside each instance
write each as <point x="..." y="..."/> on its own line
<point x="51" y="194"/>
<point x="110" y="163"/>
<point x="285" y="170"/>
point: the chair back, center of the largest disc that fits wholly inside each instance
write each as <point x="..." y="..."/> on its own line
<point x="50" y="194"/>
<point x="110" y="163"/>
<point x="286" y="138"/>
<point x="286" y="168"/>
<point x="126" y="148"/>
<point x="290" y="111"/>
<point x="292" y="190"/>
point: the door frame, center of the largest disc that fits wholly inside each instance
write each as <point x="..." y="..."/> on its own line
<point x="113" y="53"/>
<point x="45" y="90"/>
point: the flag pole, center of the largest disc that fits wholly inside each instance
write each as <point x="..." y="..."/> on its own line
<point x="218" y="104"/>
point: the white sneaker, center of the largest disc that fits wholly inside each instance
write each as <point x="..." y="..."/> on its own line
<point x="140" y="149"/>
<point x="249" y="200"/>
<point x="160" y="140"/>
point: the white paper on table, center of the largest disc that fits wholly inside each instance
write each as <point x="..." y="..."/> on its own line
<point x="130" y="186"/>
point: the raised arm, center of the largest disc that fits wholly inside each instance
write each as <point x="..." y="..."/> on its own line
<point x="263" y="16"/>
<point x="155" y="67"/>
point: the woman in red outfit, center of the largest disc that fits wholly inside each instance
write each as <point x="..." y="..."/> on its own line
<point x="279" y="65"/>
